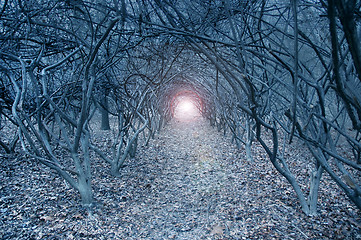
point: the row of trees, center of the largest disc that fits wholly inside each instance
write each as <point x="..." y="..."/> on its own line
<point x="60" y="62"/>
<point x="259" y="69"/>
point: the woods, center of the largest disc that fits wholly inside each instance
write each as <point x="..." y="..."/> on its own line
<point x="262" y="71"/>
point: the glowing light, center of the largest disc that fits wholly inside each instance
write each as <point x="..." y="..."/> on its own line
<point x="186" y="110"/>
<point x="186" y="106"/>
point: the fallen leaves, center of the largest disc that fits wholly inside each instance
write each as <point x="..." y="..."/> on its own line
<point x="190" y="183"/>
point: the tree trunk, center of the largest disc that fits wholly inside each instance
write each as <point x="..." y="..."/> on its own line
<point x="104" y="112"/>
<point x="114" y="170"/>
<point x="314" y="187"/>
<point x="85" y="191"/>
<point x="133" y="148"/>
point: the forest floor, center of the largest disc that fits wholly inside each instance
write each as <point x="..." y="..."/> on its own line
<point x="189" y="183"/>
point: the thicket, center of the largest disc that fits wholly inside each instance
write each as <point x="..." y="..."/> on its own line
<point x="262" y="70"/>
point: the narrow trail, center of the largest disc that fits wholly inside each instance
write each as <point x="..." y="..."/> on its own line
<point x="194" y="184"/>
<point x="188" y="195"/>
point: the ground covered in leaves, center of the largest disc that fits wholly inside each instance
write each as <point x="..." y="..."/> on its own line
<point x="189" y="183"/>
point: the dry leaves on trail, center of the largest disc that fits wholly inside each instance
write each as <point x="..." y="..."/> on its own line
<point x="217" y="230"/>
<point x="189" y="183"/>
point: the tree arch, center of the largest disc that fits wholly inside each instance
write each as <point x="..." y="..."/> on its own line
<point x="259" y="70"/>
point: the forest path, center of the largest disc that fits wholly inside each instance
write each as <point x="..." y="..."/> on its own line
<point x="194" y="184"/>
<point x="190" y="192"/>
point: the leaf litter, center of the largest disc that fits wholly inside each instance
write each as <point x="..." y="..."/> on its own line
<point x="190" y="182"/>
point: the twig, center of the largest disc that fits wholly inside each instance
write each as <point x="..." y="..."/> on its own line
<point x="300" y="231"/>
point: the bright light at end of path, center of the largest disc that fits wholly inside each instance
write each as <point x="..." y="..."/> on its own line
<point x="186" y="110"/>
<point x="186" y="106"/>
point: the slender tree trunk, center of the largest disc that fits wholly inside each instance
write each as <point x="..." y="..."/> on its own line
<point x="314" y="188"/>
<point x="104" y="112"/>
<point x="133" y="148"/>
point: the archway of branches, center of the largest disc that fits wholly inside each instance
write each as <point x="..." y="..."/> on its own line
<point x="258" y="70"/>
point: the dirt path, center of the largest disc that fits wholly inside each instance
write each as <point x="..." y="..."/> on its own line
<point x="187" y="198"/>
<point x="189" y="183"/>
